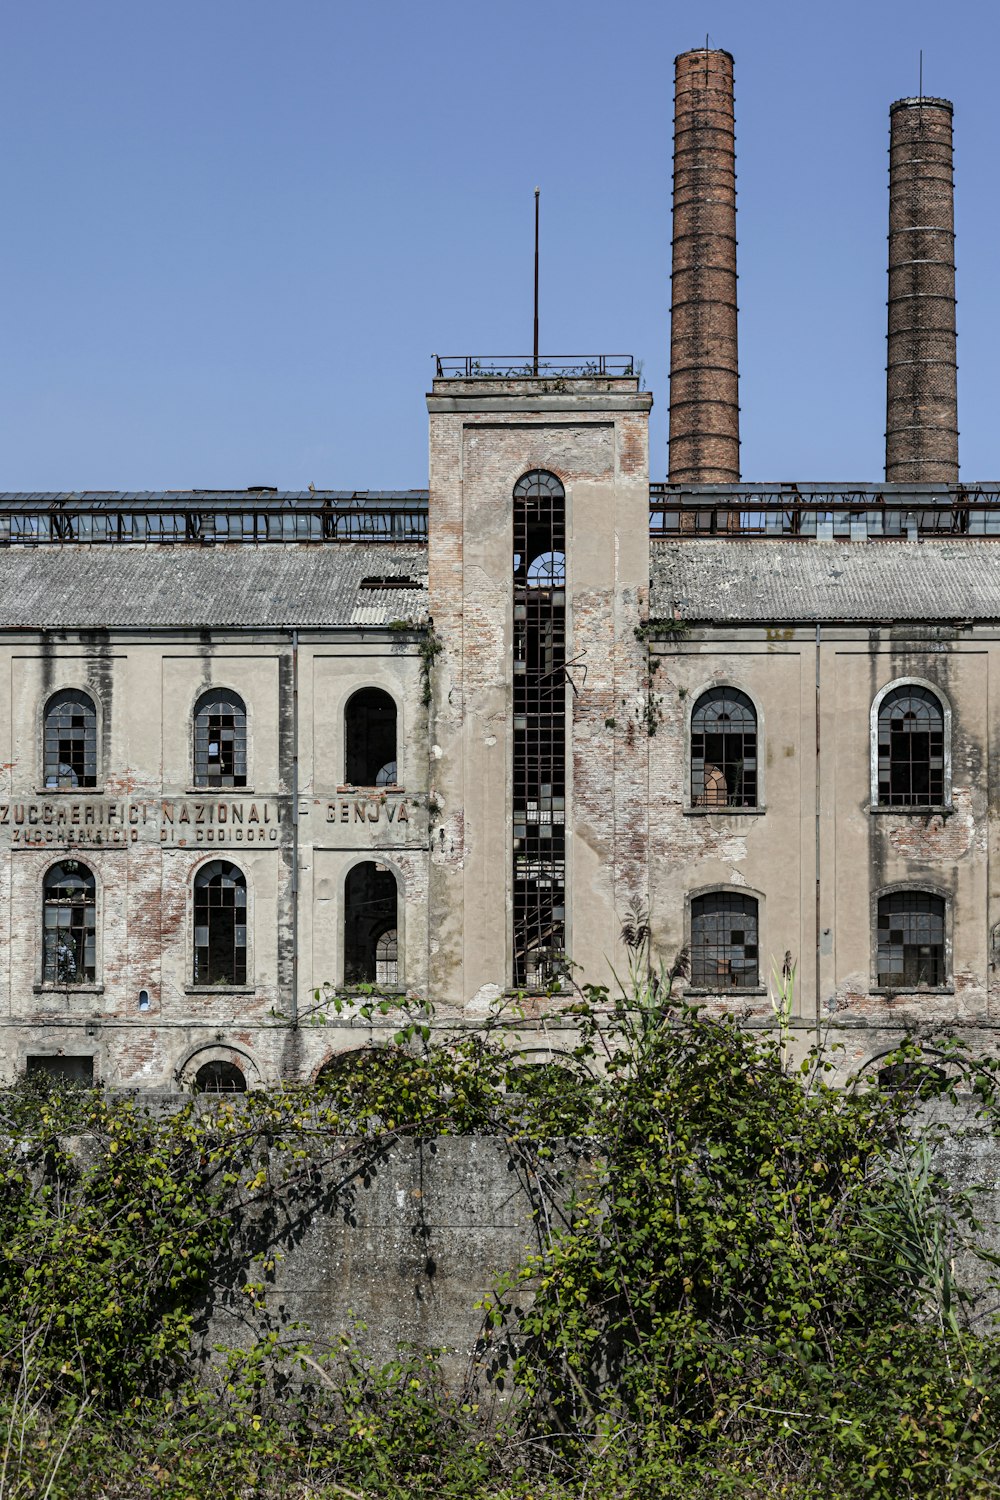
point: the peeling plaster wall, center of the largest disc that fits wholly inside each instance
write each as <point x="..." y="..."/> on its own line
<point x="484" y="436"/>
<point x="819" y="851"/>
<point x="145" y="829"/>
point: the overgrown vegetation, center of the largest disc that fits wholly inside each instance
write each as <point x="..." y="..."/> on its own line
<point x="752" y="1294"/>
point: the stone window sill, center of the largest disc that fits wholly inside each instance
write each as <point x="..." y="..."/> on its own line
<point x="395" y="790"/>
<point x="217" y="791"/>
<point x="750" y="989"/>
<point x="70" y="791"/>
<point x="895" y="993"/>
<point x="220" y="989"/>
<point x="941" y="810"/>
<point x="724" y="812"/>
<point x="68" y="989"/>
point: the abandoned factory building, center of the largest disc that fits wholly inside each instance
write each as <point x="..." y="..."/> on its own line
<point x="446" y="741"/>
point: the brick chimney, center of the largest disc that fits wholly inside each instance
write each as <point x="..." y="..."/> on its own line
<point x="921" y="429"/>
<point x="704" y="396"/>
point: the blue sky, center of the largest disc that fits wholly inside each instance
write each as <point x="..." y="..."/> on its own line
<point x="235" y="231"/>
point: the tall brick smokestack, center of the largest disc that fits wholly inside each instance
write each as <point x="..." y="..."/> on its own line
<point x="921" y="429"/>
<point x="704" y="394"/>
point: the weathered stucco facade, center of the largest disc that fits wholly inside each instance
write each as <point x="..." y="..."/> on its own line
<point x="445" y="743"/>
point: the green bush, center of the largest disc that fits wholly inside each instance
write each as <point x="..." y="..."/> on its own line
<point x="751" y="1292"/>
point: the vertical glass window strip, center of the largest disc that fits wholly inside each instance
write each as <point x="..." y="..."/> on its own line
<point x="370" y="739"/>
<point x="371" y="955"/>
<point x="910" y="940"/>
<point x="910" y="748"/>
<point x="220" y="924"/>
<point x="69" y="925"/>
<point x="70" y="740"/>
<point x="539" y="790"/>
<point x="724" y="952"/>
<point x="724" y="750"/>
<point x="220" y="740"/>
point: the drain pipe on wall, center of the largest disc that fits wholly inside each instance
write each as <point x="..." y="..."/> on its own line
<point x="819" y="930"/>
<point x="295" y="829"/>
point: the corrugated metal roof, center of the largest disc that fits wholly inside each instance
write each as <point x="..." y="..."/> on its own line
<point x="760" y="581"/>
<point x="91" y="587"/>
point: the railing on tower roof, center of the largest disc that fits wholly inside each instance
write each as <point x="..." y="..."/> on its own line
<point x="823" y="512"/>
<point x="213" y="517"/>
<point x="526" y="367"/>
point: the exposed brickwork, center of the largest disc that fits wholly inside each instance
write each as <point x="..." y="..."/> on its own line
<point x="704" y="394"/>
<point x="921" y="441"/>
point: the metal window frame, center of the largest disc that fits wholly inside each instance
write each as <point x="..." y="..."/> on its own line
<point x="540" y="748"/>
<point x="202" y="879"/>
<point x="922" y="889"/>
<point x="85" y="699"/>
<point x="702" y="983"/>
<point x="50" y="974"/>
<point x="217" y="697"/>
<point x="757" y="804"/>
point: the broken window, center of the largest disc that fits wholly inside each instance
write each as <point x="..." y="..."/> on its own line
<point x="69" y="933"/>
<point x="220" y="739"/>
<point x="370" y="739"/>
<point x="910" y="940"/>
<point x="371" y="955"/>
<point x="724" y="750"/>
<point x="70" y="740"/>
<point x="219" y="1078"/>
<point x="539" y="780"/>
<point x="910" y="748"/>
<point x="724" y="952"/>
<point x="220" y="924"/>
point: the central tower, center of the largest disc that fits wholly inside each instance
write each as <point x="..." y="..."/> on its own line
<point x="539" y="569"/>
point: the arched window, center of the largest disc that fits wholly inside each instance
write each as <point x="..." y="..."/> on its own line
<point x="910" y="748"/>
<point x="724" y="750"/>
<point x="220" y="739"/>
<point x="370" y="739"/>
<point x="70" y="740"/>
<point x="910" y="946"/>
<point x="724" y="951"/>
<point x="370" y="926"/>
<point x="219" y="1078"/>
<point x="220" y="924"/>
<point x="69" y="925"/>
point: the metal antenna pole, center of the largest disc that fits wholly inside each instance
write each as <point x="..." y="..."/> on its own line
<point x="921" y="86"/>
<point x="534" y="362"/>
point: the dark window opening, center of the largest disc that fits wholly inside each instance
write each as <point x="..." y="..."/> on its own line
<point x="724" y="750"/>
<point x="220" y="925"/>
<point x="910" y="941"/>
<point x="539" y="781"/>
<point x="912" y="1076"/>
<point x="910" y="748"/>
<point x="219" y="1078"/>
<point x="70" y="740"/>
<point x="69" y="925"/>
<point x="75" y="1070"/>
<point x="370" y="926"/>
<point x="724" y="951"/>
<point x="370" y="739"/>
<point x="220" y="740"/>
